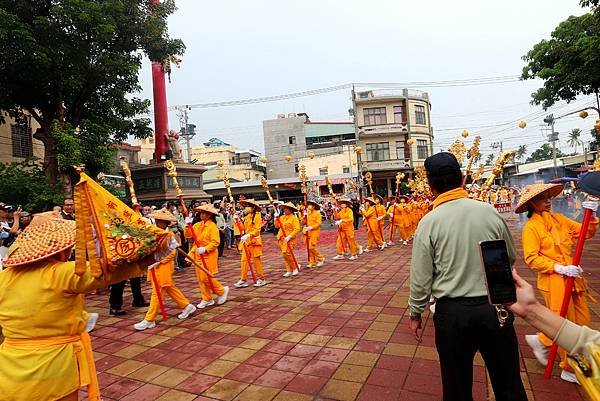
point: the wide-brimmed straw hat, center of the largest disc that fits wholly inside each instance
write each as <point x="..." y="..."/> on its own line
<point x="289" y="205"/>
<point x="162" y="214"/>
<point x="400" y="197"/>
<point x="531" y="191"/>
<point x="370" y="199"/>
<point x="345" y="200"/>
<point x="314" y="203"/>
<point x="250" y="202"/>
<point x="377" y="196"/>
<point x="40" y="240"/>
<point x="208" y="208"/>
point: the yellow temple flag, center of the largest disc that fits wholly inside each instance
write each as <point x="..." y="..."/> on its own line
<point x="109" y="233"/>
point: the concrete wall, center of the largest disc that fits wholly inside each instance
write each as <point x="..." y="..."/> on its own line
<point x="276" y="135"/>
<point x="6" y="145"/>
<point x="334" y="162"/>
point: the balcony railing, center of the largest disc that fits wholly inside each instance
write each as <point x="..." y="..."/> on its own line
<point x="393" y="164"/>
<point x="383" y="129"/>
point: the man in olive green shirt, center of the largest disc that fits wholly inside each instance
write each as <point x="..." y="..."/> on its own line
<point x="447" y="265"/>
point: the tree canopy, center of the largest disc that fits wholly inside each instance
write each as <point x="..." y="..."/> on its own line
<point x="568" y="62"/>
<point x="73" y="65"/>
<point x="544" y="152"/>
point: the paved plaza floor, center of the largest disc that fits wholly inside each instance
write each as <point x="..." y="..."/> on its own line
<point x="335" y="333"/>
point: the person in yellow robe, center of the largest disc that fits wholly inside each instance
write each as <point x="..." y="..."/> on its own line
<point x="164" y="276"/>
<point x="290" y="225"/>
<point x="548" y="240"/>
<point x="381" y="213"/>
<point x="370" y="221"/>
<point x="312" y="230"/>
<point x="345" y="241"/>
<point x="251" y="242"/>
<point x="47" y="353"/>
<point x="206" y="235"/>
<point x="399" y="213"/>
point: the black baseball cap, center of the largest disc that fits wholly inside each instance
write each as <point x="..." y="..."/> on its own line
<point x="441" y="164"/>
<point x="590" y="183"/>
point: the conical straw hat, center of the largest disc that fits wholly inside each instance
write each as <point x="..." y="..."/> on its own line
<point x="531" y="191"/>
<point x="39" y="241"/>
<point x="208" y="208"/>
<point x="289" y="205"/>
<point x="162" y="214"/>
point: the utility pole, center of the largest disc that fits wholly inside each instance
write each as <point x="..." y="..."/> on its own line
<point x="188" y="131"/>
<point x="553" y="137"/>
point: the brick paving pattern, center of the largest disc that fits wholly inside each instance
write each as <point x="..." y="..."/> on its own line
<point x="335" y="333"/>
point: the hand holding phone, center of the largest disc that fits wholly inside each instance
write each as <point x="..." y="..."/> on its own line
<point x="498" y="272"/>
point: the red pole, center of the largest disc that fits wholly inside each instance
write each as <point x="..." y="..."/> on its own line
<point x="161" y="119"/>
<point x="587" y="216"/>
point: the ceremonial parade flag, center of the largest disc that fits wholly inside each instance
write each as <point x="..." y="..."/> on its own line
<point x="109" y="233"/>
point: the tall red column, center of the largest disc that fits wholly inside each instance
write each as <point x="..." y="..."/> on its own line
<point x="161" y="119"/>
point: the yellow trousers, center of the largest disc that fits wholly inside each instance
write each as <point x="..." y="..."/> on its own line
<point x="313" y="253"/>
<point x="373" y="234"/>
<point x="174" y="293"/>
<point x="288" y="259"/>
<point x="204" y="283"/>
<point x="346" y="242"/>
<point x="256" y="264"/>
<point x="578" y="312"/>
<point x="403" y="232"/>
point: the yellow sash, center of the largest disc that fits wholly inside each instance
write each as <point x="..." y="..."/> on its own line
<point x="88" y="365"/>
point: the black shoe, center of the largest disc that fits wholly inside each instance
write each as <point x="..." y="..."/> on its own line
<point x="117" y="312"/>
<point x="140" y="304"/>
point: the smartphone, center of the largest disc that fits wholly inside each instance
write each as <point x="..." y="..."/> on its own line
<point x="498" y="275"/>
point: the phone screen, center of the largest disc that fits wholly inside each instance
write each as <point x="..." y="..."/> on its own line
<point x="500" y="285"/>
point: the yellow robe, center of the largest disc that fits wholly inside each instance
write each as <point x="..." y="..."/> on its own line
<point x="291" y="225"/>
<point x="252" y="225"/>
<point x="207" y="236"/>
<point x="41" y="312"/>
<point x="548" y="240"/>
<point x="314" y="220"/>
<point x="346" y="232"/>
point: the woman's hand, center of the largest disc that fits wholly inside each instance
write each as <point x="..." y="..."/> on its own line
<point x="525" y="296"/>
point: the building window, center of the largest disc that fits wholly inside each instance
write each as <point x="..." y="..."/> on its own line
<point x="296" y="168"/>
<point x="292" y="140"/>
<point x="402" y="150"/>
<point x="22" y="142"/>
<point x="420" y="115"/>
<point x="323" y="171"/>
<point x="346" y="170"/>
<point x="399" y="116"/>
<point x="422" y="149"/>
<point x="375" y="116"/>
<point x="378" y="151"/>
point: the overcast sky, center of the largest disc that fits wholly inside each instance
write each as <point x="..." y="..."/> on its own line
<point x="239" y="49"/>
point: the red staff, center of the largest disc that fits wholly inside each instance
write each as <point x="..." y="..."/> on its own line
<point x="589" y="183"/>
<point x="265" y="185"/>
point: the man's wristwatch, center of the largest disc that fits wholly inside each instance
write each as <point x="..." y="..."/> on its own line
<point x="415" y="316"/>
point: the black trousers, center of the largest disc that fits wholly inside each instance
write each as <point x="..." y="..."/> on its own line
<point x="221" y="243"/>
<point x="464" y="326"/>
<point x="116" y="292"/>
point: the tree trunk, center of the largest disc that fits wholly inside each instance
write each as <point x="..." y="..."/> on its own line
<point x="50" y="164"/>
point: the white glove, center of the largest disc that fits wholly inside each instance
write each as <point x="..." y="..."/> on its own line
<point x="288" y="238"/>
<point x="380" y="218"/>
<point x="395" y="204"/>
<point x="338" y="222"/>
<point x="277" y="213"/>
<point x="308" y="228"/>
<point x="362" y="207"/>
<point x="201" y="250"/>
<point x="189" y="220"/>
<point x="569" y="270"/>
<point x="245" y="237"/>
<point x="591" y="205"/>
